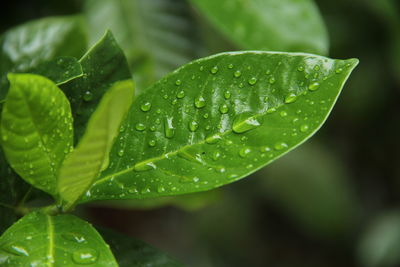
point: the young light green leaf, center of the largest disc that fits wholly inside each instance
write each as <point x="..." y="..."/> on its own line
<point x="218" y="119"/>
<point x="103" y="65"/>
<point x="83" y="165"/>
<point x="284" y="25"/>
<point x="36" y="129"/>
<point x="157" y="36"/>
<point x="132" y="252"/>
<point x="43" y="240"/>
<point x="26" y="46"/>
<point x="60" y="70"/>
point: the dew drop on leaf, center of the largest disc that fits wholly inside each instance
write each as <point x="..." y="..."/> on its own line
<point x="304" y="128"/>
<point x="237" y="73"/>
<point x="223" y="109"/>
<point x="180" y="94"/>
<point x="290" y="98"/>
<point x="87" y="96"/>
<point x="85" y="256"/>
<point x="144" y="166"/>
<point x="245" y="122"/>
<point x="199" y="102"/>
<point x="140" y="127"/>
<point x="214" y="70"/>
<point x="169" y="129"/>
<point x="252" y="81"/>
<point x="16" y="250"/>
<point x="280" y="146"/>
<point x="313" y="86"/>
<point x="193" y="125"/>
<point x="244" y="152"/>
<point x="145" y="106"/>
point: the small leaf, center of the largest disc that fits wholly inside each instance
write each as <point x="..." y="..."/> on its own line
<point x="36" y="129"/>
<point x="218" y="119"/>
<point x="157" y="36"/>
<point x="26" y="46"/>
<point x="83" y="165"/>
<point x="284" y="25"/>
<point x="60" y="70"/>
<point x="132" y="252"/>
<point x="103" y="65"/>
<point x="43" y="240"/>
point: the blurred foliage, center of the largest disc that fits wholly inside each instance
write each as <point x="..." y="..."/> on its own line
<point x="323" y="204"/>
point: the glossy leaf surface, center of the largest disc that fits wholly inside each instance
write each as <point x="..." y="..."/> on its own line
<point x="36" y="129"/>
<point x="284" y="25"/>
<point x="84" y="164"/>
<point x="218" y="119"/>
<point x="43" y="240"/>
<point x="26" y="46"/>
<point x="157" y="36"/>
<point x="133" y="252"/>
<point x="103" y="65"/>
<point x="60" y="70"/>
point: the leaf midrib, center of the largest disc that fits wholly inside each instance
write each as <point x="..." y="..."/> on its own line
<point x="172" y="153"/>
<point x="50" y="235"/>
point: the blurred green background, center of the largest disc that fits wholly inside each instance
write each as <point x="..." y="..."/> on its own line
<point x="334" y="201"/>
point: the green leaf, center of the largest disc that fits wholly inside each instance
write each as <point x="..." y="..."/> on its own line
<point x="26" y="46"/>
<point x="84" y="164"/>
<point x="103" y="65"/>
<point x="60" y="70"/>
<point x="218" y="119"/>
<point x="36" y="129"/>
<point x="132" y="252"/>
<point x="285" y="25"/>
<point x="157" y="36"/>
<point x="43" y="240"/>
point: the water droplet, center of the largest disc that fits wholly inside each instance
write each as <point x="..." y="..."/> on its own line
<point x="265" y="149"/>
<point x="244" y="152"/>
<point x="214" y="70"/>
<point x="85" y="256"/>
<point x="313" y="86"/>
<point x="245" y="122"/>
<point x="16" y="250"/>
<point x="271" y="110"/>
<point x="140" y="127"/>
<point x="304" y="128"/>
<point x="160" y="189"/>
<point x="213" y="139"/>
<point x="152" y="142"/>
<point x="74" y="237"/>
<point x="87" y="96"/>
<point x="300" y="68"/>
<point x="283" y="113"/>
<point x="339" y="70"/>
<point x="193" y="125"/>
<point x="237" y="73"/>
<point x="144" y="166"/>
<point x="120" y="152"/>
<point x="227" y="95"/>
<point x="230" y="66"/>
<point x="199" y="102"/>
<point x="169" y="129"/>
<point x="290" y="98"/>
<point x="316" y="67"/>
<point x="145" y="106"/>
<point x="183" y="153"/>
<point x="178" y="82"/>
<point x="180" y="94"/>
<point x="280" y="146"/>
<point x="216" y="155"/>
<point x="223" y="109"/>
<point x="252" y="81"/>
<point x="271" y="80"/>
